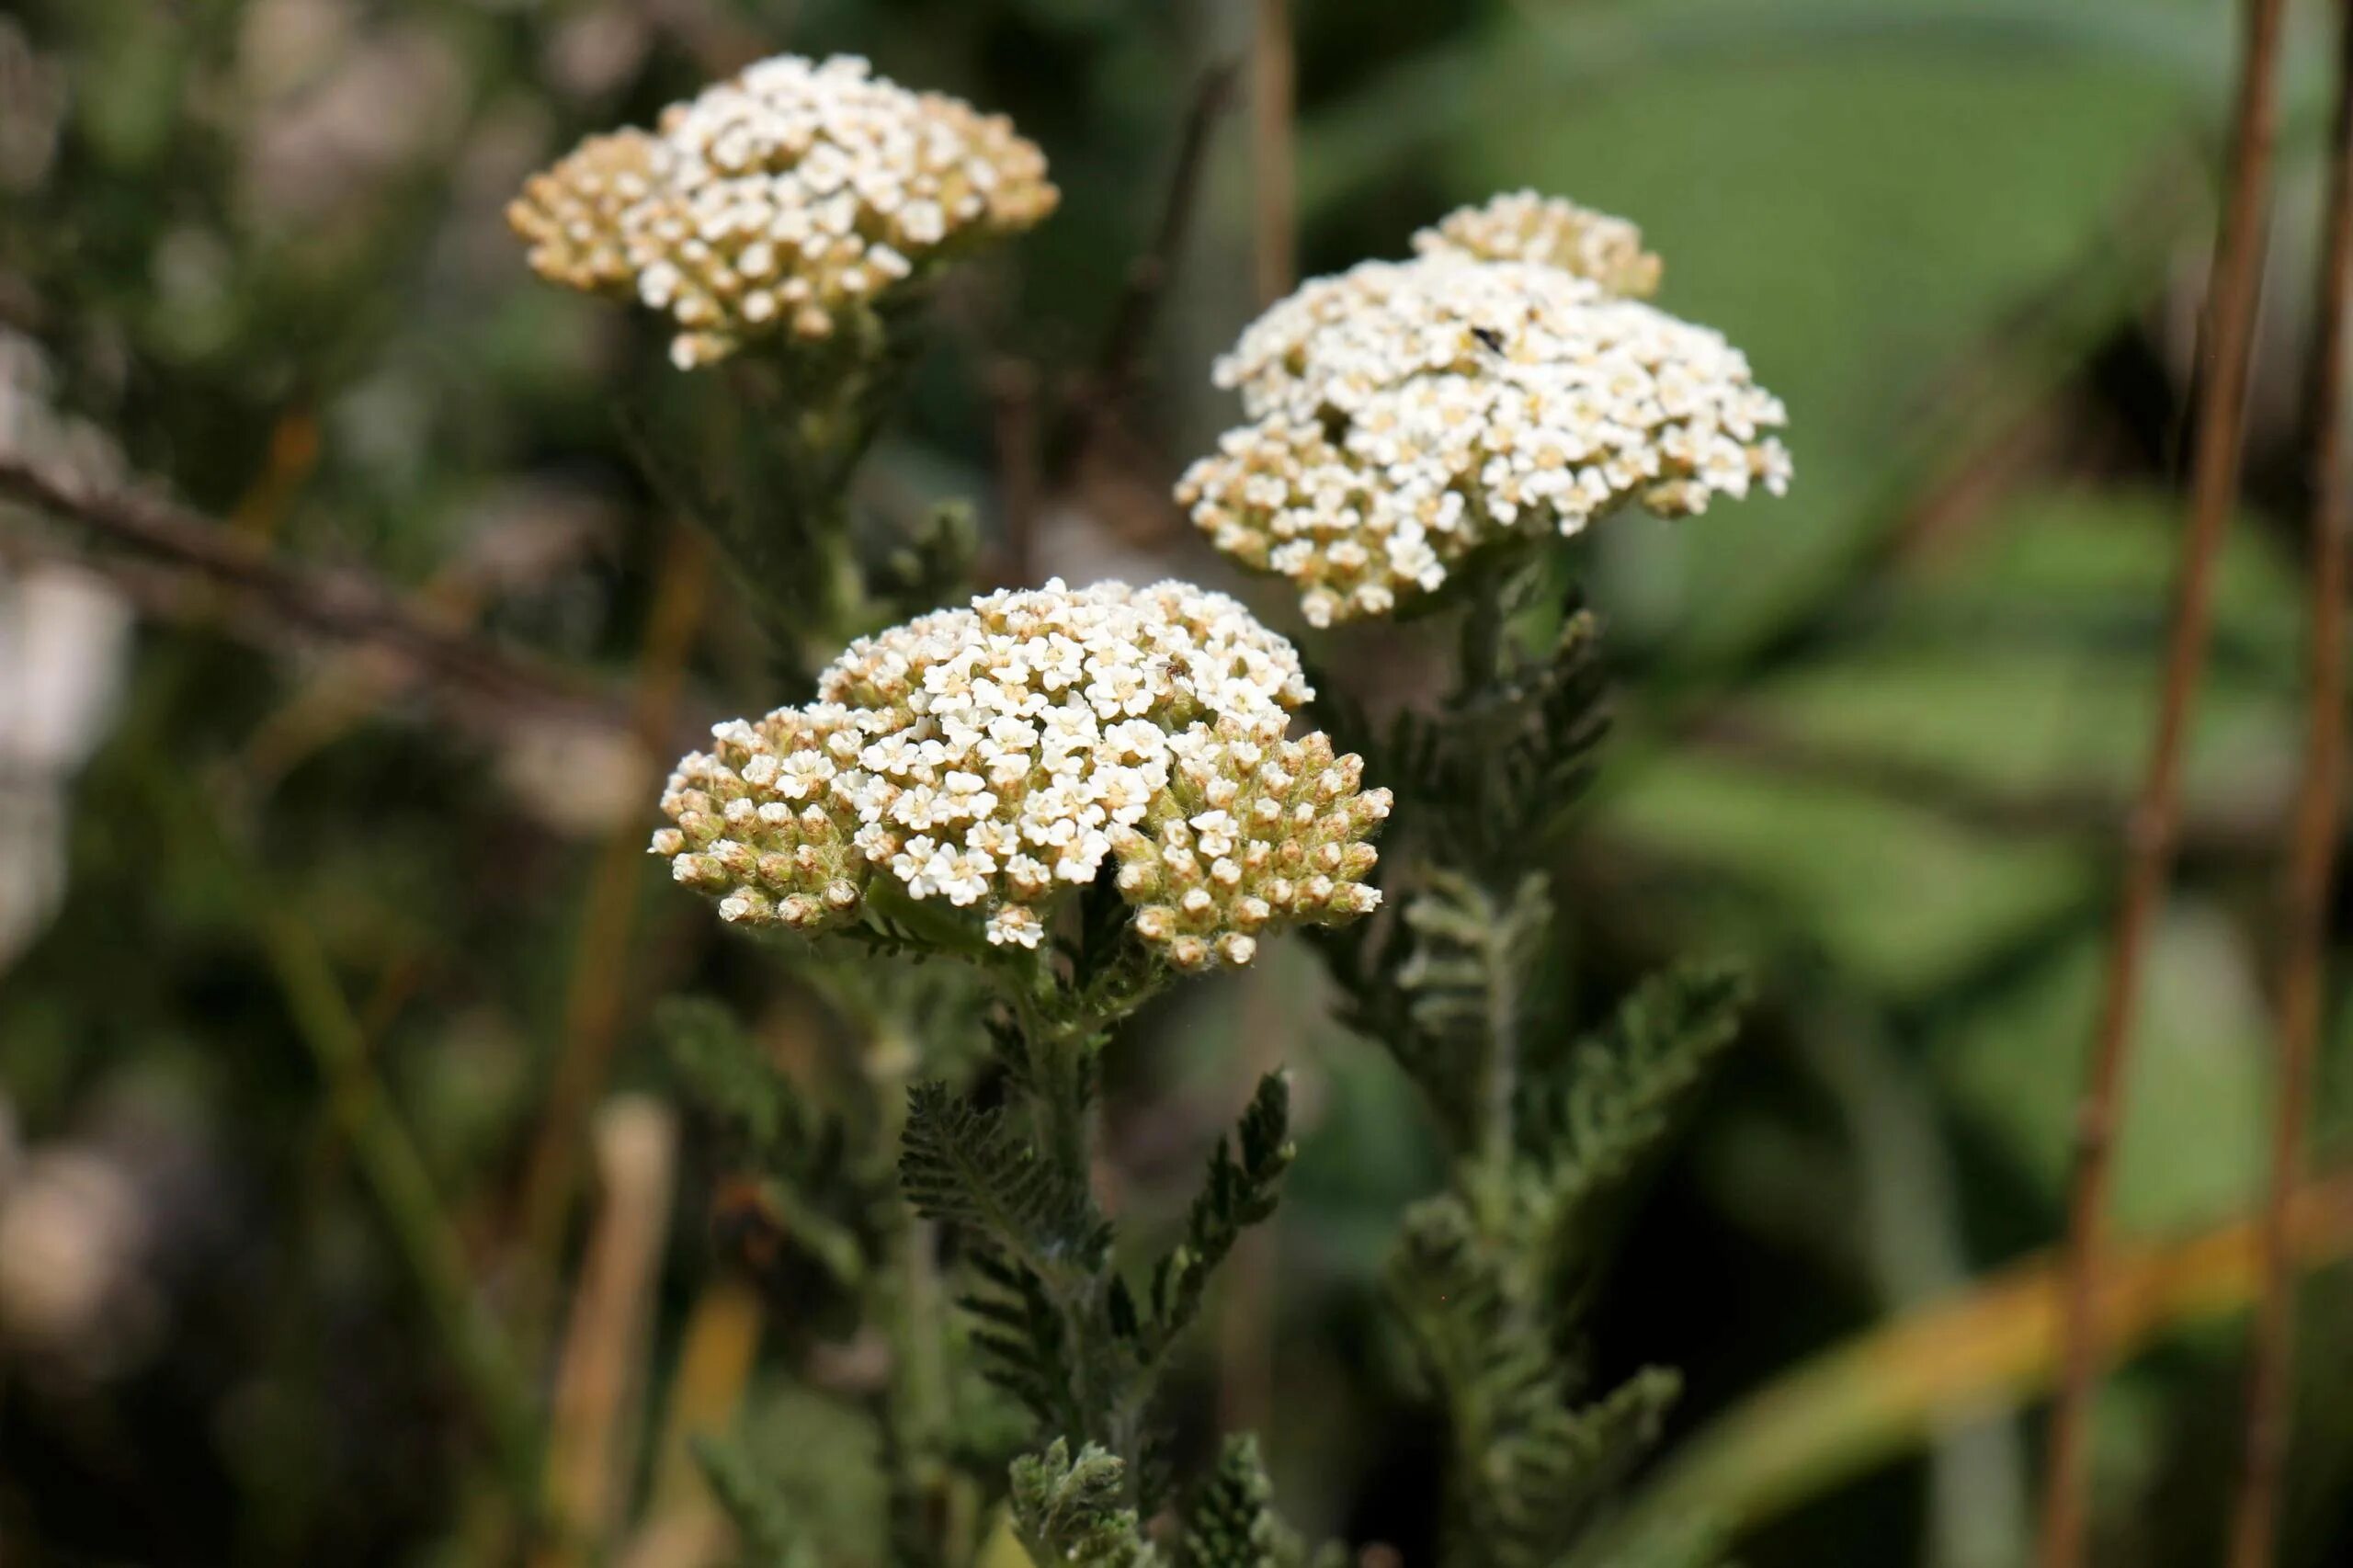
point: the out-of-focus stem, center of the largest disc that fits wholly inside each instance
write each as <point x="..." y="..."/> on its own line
<point x="716" y="1351"/>
<point x="387" y="1159"/>
<point x="1909" y="1219"/>
<point x="1273" y="84"/>
<point x="2226" y="347"/>
<point x="2312" y="855"/>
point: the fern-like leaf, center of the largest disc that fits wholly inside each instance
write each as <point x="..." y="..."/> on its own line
<point x="1528" y="1464"/>
<point x="762" y="1517"/>
<point x="1496" y="768"/>
<point x="1074" y="1510"/>
<point x="1240" y="1191"/>
<point x="1023" y="1340"/>
<point x="968" y="1166"/>
<point x="1233" y="1523"/>
<point x="1451" y="994"/>
<point x="1585" y="1124"/>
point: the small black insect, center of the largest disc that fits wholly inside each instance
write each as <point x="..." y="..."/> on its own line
<point x="1490" y="336"/>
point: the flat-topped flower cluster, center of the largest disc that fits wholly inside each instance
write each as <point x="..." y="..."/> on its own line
<point x="774" y="202"/>
<point x="996" y="757"/>
<point x="1405" y="414"/>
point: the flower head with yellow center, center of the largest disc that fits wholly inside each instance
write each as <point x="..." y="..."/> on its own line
<point x="777" y="202"/>
<point x="1405" y="415"/>
<point x="995" y="759"/>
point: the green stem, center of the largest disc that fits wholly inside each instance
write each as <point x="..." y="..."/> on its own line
<point x="916" y="1396"/>
<point x="1503" y="1059"/>
<point x="387" y="1159"/>
<point x="1057" y="1069"/>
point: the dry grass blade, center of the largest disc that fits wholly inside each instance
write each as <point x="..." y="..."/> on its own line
<point x="1866" y="1401"/>
<point x="591" y="1460"/>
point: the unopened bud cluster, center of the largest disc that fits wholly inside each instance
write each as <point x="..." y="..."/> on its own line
<point x="1551" y="230"/>
<point x="779" y="201"/>
<point x="1405" y="414"/>
<point x="996" y="757"/>
<point x="1264" y="831"/>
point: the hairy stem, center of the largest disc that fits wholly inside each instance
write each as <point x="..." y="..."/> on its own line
<point x="1502" y="1086"/>
<point x="1056" y="1077"/>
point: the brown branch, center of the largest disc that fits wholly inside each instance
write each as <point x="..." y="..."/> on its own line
<point x="330" y="605"/>
<point x="2149" y="832"/>
<point x="2311" y="854"/>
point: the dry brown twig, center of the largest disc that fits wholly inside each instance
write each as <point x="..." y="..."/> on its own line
<point x="337" y="605"/>
<point x="2150" y="833"/>
<point x="2311" y="853"/>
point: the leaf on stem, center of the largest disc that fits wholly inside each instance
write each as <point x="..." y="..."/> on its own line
<point x="1244" y="1172"/>
<point x="962" y="1164"/>
<point x="1233" y="1524"/>
<point x="1585" y="1122"/>
<point x="1073" y="1510"/>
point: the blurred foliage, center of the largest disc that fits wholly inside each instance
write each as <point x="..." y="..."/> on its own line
<point x="1872" y="739"/>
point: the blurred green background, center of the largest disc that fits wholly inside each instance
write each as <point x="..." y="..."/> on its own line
<point x="1874" y="738"/>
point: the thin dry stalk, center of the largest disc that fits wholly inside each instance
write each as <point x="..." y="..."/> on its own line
<point x="1248" y="1336"/>
<point x="592" y="1436"/>
<point x="2311" y="854"/>
<point x="1273" y="83"/>
<point x="2150" y="831"/>
<point x="593" y="1009"/>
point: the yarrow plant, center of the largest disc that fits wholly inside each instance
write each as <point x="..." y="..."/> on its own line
<point x="986" y="835"/>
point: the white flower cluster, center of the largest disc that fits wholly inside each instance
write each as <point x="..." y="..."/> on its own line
<point x="778" y="202"/>
<point x="996" y="757"/>
<point x="1521" y="225"/>
<point x="1405" y="414"/>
